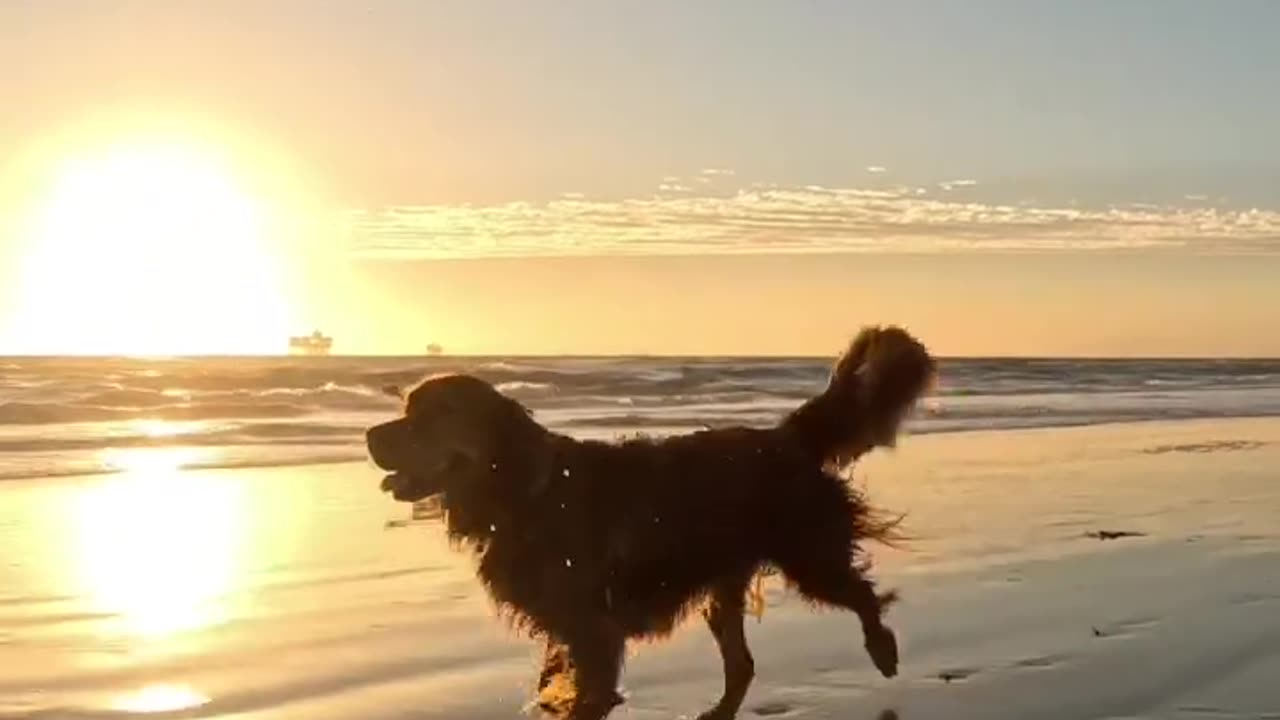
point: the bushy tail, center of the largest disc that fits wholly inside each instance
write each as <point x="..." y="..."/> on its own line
<point x="873" y="385"/>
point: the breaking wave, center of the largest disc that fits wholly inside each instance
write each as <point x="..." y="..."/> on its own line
<point x="57" y="416"/>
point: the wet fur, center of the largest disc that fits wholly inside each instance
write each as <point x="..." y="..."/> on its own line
<point x="586" y="544"/>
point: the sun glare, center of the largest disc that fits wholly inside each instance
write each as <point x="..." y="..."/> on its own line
<point x="160" y="699"/>
<point x="150" y="248"/>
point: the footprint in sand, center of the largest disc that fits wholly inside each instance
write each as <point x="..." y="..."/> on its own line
<point x="1253" y="598"/>
<point x="1208" y="711"/>
<point x="1138" y="623"/>
<point x="1124" y="628"/>
<point x="1039" y="662"/>
<point x="769" y="709"/>
<point x="951" y="675"/>
<point x="1114" y="534"/>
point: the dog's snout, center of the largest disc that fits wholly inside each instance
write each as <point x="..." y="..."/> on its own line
<point x="372" y="438"/>
<point x="379" y="439"/>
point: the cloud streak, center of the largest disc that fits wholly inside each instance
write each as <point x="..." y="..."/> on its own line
<point x="681" y="220"/>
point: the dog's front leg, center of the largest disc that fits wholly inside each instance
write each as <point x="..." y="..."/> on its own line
<point x="554" y="694"/>
<point x="832" y="579"/>
<point x="595" y="649"/>
<point x="858" y="594"/>
<point x="878" y="639"/>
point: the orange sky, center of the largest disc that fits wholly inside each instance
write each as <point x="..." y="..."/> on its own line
<point x="962" y="305"/>
<point x="588" y="179"/>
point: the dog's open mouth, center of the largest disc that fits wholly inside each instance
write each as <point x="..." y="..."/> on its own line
<point x="408" y="488"/>
<point x="412" y="487"/>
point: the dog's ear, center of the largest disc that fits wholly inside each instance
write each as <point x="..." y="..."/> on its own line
<point x="541" y="469"/>
<point x="526" y="454"/>
<point x="854" y="357"/>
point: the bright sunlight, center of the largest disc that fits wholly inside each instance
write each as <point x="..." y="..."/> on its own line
<point x="156" y="547"/>
<point x="160" y="698"/>
<point x="150" y="248"/>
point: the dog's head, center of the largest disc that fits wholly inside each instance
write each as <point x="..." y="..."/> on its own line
<point x="885" y="371"/>
<point x="455" y="431"/>
<point x="875" y="385"/>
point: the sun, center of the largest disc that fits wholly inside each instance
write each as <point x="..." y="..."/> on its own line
<point x="149" y="248"/>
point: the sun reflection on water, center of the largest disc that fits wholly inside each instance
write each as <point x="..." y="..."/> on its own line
<point x="157" y="547"/>
<point x="160" y="699"/>
<point x="161" y="428"/>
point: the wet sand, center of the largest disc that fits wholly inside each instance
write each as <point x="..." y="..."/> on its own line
<point x="303" y="593"/>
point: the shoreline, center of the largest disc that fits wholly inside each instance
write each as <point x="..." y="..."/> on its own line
<point x="909" y="438"/>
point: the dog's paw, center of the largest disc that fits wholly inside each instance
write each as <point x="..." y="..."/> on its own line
<point x="882" y="646"/>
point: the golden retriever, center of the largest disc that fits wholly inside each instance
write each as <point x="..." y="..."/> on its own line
<point x="587" y="544"/>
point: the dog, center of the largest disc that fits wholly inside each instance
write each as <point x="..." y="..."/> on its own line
<point x="586" y="544"/>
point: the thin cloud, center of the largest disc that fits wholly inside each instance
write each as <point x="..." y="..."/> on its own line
<point x="718" y="172"/>
<point x="950" y="184"/>
<point x="681" y="220"/>
<point x="876" y="169"/>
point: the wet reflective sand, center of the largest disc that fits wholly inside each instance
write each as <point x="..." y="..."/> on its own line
<point x="302" y="592"/>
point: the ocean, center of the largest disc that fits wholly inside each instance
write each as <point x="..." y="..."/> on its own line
<point x="72" y="416"/>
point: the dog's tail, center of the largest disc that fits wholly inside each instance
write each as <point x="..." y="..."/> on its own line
<point x="873" y="385"/>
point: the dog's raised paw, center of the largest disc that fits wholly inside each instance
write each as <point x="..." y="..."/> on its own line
<point x="882" y="646"/>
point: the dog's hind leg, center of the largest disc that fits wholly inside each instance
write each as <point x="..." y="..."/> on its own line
<point x="724" y="617"/>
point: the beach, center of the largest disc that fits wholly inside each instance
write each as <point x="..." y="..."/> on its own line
<point x="302" y="592"/>
<point x="1018" y="260"/>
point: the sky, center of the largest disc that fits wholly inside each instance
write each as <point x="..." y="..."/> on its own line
<point x="1002" y="177"/>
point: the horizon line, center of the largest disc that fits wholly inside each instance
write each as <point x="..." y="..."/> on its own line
<point x="628" y="356"/>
